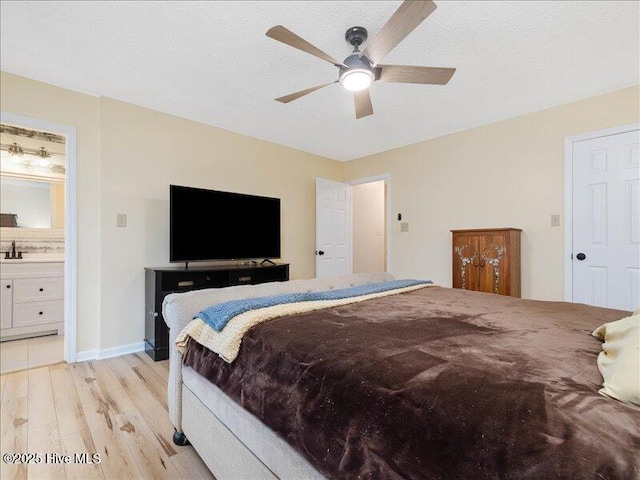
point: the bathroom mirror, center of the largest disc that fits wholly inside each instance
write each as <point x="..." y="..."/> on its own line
<point x="35" y="203"/>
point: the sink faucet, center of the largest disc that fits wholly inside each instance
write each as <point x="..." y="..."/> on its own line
<point x="13" y="255"/>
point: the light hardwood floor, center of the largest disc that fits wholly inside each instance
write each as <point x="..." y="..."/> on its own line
<point x="116" y="408"/>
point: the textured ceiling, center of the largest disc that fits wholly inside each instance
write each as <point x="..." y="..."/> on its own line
<point x="211" y="62"/>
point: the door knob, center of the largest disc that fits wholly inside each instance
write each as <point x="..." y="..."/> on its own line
<point x="581" y="256"/>
<point x="320" y="252"/>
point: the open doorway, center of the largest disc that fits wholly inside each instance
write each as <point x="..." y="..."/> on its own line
<point x="371" y="222"/>
<point x="38" y="162"/>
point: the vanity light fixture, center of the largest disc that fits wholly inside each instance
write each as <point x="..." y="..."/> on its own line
<point x="21" y="155"/>
<point x="15" y="150"/>
<point x="43" y="157"/>
<point x="43" y="152"/>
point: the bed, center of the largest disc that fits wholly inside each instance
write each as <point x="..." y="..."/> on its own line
<point x="432" y="382"/>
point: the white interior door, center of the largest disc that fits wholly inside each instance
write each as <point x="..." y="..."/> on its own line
<point x="606" y="221"/>
<point x="333" y="228"/>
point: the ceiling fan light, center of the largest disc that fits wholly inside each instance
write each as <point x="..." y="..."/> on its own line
<point x="356" y="79"/>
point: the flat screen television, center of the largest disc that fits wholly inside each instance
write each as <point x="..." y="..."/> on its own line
<point x="214" y="225"/>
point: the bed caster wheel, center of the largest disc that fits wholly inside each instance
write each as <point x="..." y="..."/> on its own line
<point x="180" y="439"/>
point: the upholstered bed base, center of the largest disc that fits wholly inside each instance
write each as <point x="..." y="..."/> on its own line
<point x="232" y="442"/>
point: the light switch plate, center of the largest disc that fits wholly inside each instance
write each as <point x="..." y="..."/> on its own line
<point x="555" y="220"/>
<point x="404" y="226"/>
<point x="121" y="219"/>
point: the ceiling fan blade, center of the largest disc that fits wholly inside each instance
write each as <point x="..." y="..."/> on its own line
<point x="364" y="107"/>
<point x="409" y="74"/>
<point x="405" y="19"/>
<point x="284" y="35"/>
<point x="301" y="93"/>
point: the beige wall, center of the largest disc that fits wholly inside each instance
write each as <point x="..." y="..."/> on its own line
<point x="507" y="174"/>
<point x="127" y="156"/>
<point x="369" y="227"/>
<point x="142" y="152"/>
<point x="38" y="100"/>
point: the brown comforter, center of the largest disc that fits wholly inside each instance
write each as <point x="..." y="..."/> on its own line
<point x="436" y="384"/>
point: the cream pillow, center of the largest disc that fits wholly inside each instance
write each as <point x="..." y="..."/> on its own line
<point x="619" y="361"/>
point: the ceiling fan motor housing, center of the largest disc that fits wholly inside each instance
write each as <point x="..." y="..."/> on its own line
<point x="356" y="61"/>
<point x="356" y="36"/>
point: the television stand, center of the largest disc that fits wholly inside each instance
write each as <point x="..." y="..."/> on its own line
<point x="160" y="282"/>
<point x="266" y="260"/>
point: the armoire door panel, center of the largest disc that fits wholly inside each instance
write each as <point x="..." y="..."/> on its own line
<point x="465" y="262"/>
<point x="493" y="263"/>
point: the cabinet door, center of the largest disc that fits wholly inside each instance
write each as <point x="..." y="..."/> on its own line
<point x="493" y="263"/>
<point x="465" y="261"/>
<point x="7" y="304"/>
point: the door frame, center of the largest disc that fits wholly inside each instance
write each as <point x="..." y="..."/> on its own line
<point x="387" y="206"/>
<point x="568" y="195"/>
<point x="70" y="230"/>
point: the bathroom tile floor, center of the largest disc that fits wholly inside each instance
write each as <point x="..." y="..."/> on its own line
<point x="31" y="352"/>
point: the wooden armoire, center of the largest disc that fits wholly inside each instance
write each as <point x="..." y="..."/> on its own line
<point x="487" y="260"/>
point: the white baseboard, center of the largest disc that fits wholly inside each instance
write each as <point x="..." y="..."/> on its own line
<point x="86" y="355"/>
<point x="109" y="352"/>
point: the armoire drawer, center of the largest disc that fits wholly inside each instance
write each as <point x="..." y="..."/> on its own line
<point x="26" y="314"/>
<point x="38" y="289"/>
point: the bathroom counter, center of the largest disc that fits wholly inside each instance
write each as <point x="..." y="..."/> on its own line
<point x="35" y="258"/>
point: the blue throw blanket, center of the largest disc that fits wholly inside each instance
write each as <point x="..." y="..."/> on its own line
<point x="217" y="316"/>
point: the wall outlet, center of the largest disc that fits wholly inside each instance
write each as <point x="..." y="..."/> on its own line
<point x="121" y="219"/>
<point x="555" y="220"/>
<point x="404" y="226"/>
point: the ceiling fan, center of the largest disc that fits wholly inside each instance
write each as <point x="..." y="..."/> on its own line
<point x="360" y="69"/>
